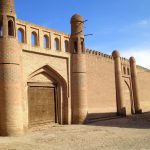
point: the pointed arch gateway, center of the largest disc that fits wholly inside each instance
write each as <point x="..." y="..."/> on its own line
<point x="47" y="97"/>
<point x="128" y="97"/>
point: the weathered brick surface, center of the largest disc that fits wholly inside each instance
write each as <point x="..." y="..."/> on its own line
<point x="144" y="88"/>
<point x="101" y="84"/>
<point x="84" y="80"/>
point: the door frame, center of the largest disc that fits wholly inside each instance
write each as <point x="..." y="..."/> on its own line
<point x="62" y="90"/>
<point x="49" y="85"/>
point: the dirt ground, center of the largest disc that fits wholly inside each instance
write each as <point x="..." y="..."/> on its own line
<point x="131" y="133"/>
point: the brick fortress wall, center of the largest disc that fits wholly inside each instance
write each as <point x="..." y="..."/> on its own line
<point x="101" y="83"/>
<point x="143" y="75"/>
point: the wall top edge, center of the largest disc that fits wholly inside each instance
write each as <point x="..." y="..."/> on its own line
<point x="22" y="22"/>
<point x="99" y="53"/>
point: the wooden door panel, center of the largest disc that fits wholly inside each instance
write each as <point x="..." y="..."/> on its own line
<point x="41" y="105"/>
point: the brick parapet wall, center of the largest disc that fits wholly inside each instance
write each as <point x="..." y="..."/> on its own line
<point x="22" y="22"/>
<point x="105" y="56"/>
<point x="98" y="53"/>
<point x="28" y="28"/>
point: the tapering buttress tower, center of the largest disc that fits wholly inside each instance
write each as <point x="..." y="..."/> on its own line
<point x="11" y="118"/>
<point x="118" y="81"/>
<point x="135" y="86"/>
<point x="78" y="71"/>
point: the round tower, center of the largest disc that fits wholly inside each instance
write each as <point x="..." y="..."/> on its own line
<point x="118" y="82"/>
<point x="11" y="118"/>
<point x="78" y="71"/>
<point x="135" y="87"/>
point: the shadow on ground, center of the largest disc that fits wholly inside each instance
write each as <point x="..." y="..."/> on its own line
<point x="141" y="121"/>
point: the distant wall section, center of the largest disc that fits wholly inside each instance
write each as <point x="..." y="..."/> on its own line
<point x="144" y="88"/>
<point x="101" y="83"/>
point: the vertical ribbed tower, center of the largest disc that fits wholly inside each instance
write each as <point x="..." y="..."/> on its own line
<point x="11" y="118"/>
<point x="118" y="81"/>
<point x="78" y="71"/>
<point x="135" y="87"/>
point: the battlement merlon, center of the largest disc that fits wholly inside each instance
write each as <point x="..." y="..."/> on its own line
<point x="98" y="53"/>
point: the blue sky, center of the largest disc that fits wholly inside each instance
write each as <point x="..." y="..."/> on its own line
<point x="115" y="24"/>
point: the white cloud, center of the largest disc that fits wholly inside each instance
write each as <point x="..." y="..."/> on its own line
<point x="142" y="56"/>
<point x="138" y="25"/>
<point x="144" y="22"/>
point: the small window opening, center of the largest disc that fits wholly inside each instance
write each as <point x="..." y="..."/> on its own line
<point x="10" y="28"/>
<point x="75" y="47"/>
<point x="21" y="35"/>
<point x="34" y="39"/>
<point x="66" y="46"/>
<point x="56" y="44"/>
<point x="46" y="41"/>
<point x="128" y="70"/>
<point x="82" y="46"/>
<point x="124" y="70"/>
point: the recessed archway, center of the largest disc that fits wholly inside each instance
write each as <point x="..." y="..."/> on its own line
<point x="128" y="100"/>
<point x="21" y="35"/>
<point x="11" y="28"/>
<point x="57" y="44"/>
<point x="34" y="38"/>
<point x="54" y="89"/>
<point x="46" y="41"/>
<point x="66" y="45"/>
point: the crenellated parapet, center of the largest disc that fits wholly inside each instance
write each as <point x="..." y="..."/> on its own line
<point x="125" y="64"/>
<point x="97" y="53"/>
<point x="124" y="60"/>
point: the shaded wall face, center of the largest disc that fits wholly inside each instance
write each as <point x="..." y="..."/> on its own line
<point x="144" y="88"/>
<point x="101" y="84"/>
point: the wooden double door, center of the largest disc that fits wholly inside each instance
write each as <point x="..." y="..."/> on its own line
<point x="42" y="105"/>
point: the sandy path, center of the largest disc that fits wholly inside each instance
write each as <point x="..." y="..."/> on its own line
<point x="131" y="133"/>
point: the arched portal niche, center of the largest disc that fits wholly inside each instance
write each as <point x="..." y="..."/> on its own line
<point x="47" y="97"/>
<point x="128" y="99"/>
